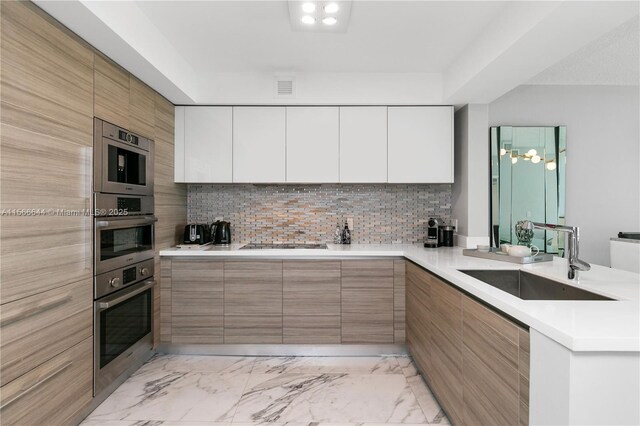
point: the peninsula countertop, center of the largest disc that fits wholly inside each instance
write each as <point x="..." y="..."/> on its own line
<point x="578" y="325"/>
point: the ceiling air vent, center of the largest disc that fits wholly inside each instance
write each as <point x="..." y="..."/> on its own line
<point x="285" y="87"/>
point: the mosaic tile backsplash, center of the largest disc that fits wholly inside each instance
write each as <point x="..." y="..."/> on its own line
<point x="382" y="213"/>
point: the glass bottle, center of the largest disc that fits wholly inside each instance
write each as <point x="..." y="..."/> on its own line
<point x="346" y="234"/>
<point x="337" y="236"/>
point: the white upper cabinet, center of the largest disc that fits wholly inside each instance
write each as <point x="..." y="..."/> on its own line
<point x="204" y="144"/>
<point x="420" y="144"/>
<point x="363" y="144"/>
<point x="259" y="144"/>
<point x="178" y="145"/>
<point x="313" y="136"/>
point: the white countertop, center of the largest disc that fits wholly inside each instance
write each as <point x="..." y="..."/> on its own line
<point x="578" y="325"/>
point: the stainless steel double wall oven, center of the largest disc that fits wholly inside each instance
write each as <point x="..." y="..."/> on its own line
<point x="123" y="252"/>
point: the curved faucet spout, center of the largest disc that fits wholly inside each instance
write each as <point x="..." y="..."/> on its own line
<point x="575" y="264"/>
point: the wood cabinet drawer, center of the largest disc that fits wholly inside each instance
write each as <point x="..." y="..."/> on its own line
<point x="311" y="287"/>
<point x="253" y="288"/>
<point x="367" y="273"/>
<point x="316" y="329"/>
<point x="36" y="328"/>
<point x="52" y="393"/>
<point x="197" y="301"/>
<point x="253" y="329"/>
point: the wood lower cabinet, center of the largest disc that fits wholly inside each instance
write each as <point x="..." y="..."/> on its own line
<point x="37" y="328"/>
<point x="475" y="360"/>
<point x="253" y="301"/>
<point x="197" y="312"/>
<point x="367" y="301"/>
<point x="311" y="301"/>
<point x="54" y="393"/>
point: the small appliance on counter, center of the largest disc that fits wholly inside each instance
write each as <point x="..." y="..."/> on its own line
<point x="220" y="233"/>
<point x="432" y="233"/>
<point x="196" y="234"/>
<point x="445" y="235"/>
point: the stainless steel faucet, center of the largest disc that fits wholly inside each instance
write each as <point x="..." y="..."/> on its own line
<point x="575" y="264"/>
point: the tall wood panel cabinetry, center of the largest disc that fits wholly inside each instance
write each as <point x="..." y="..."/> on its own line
<point x="52" y="85"/>
<point x="46" y="277"/>
<point x="475" y="360"/>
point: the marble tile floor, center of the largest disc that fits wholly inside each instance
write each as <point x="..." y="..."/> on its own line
<point x="181" y="390"/>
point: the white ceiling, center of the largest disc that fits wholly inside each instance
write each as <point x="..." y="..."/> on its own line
<point x="393" y="52"/>
<point x="613" y="59"/>
<point x="382" y="36"/>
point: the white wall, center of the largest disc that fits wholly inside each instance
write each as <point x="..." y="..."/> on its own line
<point x="470" y="191"/>
<point x="330" y="88"/>
<point x="603" y="154"/>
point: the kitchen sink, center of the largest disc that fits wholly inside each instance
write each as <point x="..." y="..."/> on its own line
<point x="528" y="286"/>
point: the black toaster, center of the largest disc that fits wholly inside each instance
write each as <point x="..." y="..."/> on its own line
<point x="196" y="234"/>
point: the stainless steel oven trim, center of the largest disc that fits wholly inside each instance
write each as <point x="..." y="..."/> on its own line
<point x="103" y="284"/>
<point x="118" y="366"/>
<point x="109" y="202"/>
<point x="101" y="173"/>
<point x="121" y="261"/>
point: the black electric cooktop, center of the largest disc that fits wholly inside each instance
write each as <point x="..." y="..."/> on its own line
<point x="283" y="246"/>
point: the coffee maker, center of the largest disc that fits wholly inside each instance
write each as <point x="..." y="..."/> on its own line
<point x="432" y="233"/>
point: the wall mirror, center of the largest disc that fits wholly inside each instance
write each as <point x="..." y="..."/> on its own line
<point x="528" y="182"/>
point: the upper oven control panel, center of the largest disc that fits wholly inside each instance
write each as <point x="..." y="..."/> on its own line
<point x="122" y="205"/>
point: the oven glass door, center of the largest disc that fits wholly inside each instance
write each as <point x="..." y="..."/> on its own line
<point x="123" y="325"/>
<point x="122" y="241"/>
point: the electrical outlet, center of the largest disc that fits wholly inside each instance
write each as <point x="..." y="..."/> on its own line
<point x="350" y="222"/>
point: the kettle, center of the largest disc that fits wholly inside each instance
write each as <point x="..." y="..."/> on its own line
<point x="221" y="232"/>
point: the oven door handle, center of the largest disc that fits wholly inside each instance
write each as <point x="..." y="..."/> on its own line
<point x="110" y="303"/>
<point x="140" y="220"/>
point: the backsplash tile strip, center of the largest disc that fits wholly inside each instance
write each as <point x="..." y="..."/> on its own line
<point x="383" y="213"/>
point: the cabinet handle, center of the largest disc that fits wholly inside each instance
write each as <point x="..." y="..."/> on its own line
<point x="35" y="310"/>
<point x="36" y="385"/>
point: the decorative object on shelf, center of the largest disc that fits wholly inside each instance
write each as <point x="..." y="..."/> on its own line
<point x="346" y="234"/>
<point x="337" y="236"/>
<point x="523" y="235"/>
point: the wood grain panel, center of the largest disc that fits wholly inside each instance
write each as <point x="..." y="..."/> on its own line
<point x="253" y="287"/>
<point x="156" y="313"/>
<point x="418" y="305"/>
<point x="491" y="362"/>
<point x="45" y="154"/>
<point x="165" y="299"/>
<point x="54" y="392"/>
<point x="367" y="315"/>
<point x="36" y="328"/>
<point x="399" y="301"/>
<point x="142" y="110"/>
<point x="197" y="301"/>
<point x="523" y="370"/>
<point x="311" y="329"/>
<point x="111" y="91"/>
<point x="311" y="287"/>
<point x="47" y="75"/>
<point x="252" y="329"/>
<point x="446" y="350"/>
<point x="367" y="273"/>
<point x="170" y="204"/>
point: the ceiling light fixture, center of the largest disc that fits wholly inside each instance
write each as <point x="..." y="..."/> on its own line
<point x="331" y="8"/>
<point x="307" y="19"/>
<point x="514" y="160"/>
<point x="329" y="20"/>
<point x="532" y="152"/>
<point x="535" y="159"/>
<point x="502" y="151"/>
<point x="308" y="7"/>
<point x="551" y="165"/>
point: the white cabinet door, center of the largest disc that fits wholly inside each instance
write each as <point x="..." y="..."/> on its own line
<point x="313" y="144"/>
<point x="259" y="144"/>
<point x="363" y="144"/>
<point x="178" y="145"/>
<point x="208" y="144"/>
<point x="420" y="144"/>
